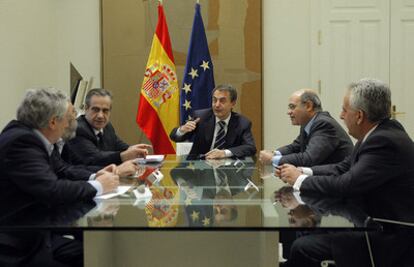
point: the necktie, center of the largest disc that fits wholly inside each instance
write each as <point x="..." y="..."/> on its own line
<point x="55" y="152"/>
<point x="100" y="140"/>
<point x="55" y="156"/>
<point x="220" y="137"/>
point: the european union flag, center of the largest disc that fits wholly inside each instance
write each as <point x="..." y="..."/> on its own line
<point x="198" y="81"/>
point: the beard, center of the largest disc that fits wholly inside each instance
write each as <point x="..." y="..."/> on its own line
<point x="70" y="131"/>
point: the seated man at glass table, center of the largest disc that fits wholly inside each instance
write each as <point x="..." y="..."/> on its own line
<point x="380" y="172"/>
<point x="96" y="142"/>
<point x="321" y="139"/>
<point x="29" y="173"/>
<point x="218" y="132"/>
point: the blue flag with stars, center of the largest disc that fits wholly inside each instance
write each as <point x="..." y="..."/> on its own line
<point x="198" y="80"/>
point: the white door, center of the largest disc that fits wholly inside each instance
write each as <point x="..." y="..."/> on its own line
<point x="402" y="61"/>
<point x="352" y="42"/>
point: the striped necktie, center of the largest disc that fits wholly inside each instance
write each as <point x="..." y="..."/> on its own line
<point x="220" y="137"/>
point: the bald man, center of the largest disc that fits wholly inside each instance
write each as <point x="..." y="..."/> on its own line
<point x="321" y="139"/>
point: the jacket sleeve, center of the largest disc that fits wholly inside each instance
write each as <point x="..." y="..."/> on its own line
<point x="378" y="163"/>
<point x="35" y="176"/>
<point x="294" y="147"/>
<point x="247" y="145"/>
<point x="183" y="138"/>
<point x="90" y="154"/>
<point x="322" y="143"/>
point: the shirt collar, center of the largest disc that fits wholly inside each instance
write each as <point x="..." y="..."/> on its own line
<point x="45" y="141"/>
<point x="60" y="143"/>
<point x="96" y="132"/>
<point x="309" y="125"/>
<point x="225" y="120"/>
<point x="369" y="133"/>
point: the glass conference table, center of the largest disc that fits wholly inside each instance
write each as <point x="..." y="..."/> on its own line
<point x="207" y="213"/>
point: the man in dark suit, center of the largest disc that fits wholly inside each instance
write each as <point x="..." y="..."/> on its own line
<point x="380" y="171"/>
<point x="29" y="172"/>
<point x="218" y="132"/>
<point x="321" y="139"/>
<point x="96" y="142"/>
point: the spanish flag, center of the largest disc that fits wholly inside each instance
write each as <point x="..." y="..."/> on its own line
<point x="158" y="110"/>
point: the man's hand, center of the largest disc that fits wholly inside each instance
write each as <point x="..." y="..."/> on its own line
<point x="215" y="154"/>
<point x="135" y="151"/>
<point x="189" y="126"/>
<point x="110" y="168"/>
<point x="128" y="168"/>
<point x="289" y="173"/>
<point x="109" y="181"/>
<point x="266" y="156"/>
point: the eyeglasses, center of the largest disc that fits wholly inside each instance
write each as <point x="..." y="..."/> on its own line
<point x="292" y="106"/>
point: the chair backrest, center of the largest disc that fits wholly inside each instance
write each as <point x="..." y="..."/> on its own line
<point x="183" y="148"/>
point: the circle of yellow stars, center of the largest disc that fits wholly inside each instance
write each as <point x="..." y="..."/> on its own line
<point x="187" y="87"/>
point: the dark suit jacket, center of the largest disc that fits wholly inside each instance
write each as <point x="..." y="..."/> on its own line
<point x="85" y="145"/>
<point x="239" y="138"/>
<point x="71" y="158"/>
<point x="380" y="172"/>
<point x="27" y="173"/>
<point x="326" y="143"/>
<point x="380" y="169"/>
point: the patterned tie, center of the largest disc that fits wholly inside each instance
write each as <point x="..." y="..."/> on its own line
<point x="220" y="137"/>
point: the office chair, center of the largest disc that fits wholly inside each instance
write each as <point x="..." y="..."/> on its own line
<point x="382" y="221"/>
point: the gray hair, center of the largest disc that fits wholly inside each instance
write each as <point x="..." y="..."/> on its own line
<point x="40" y="105"/>
<point x="228" y="88"/>
<point x="98" y="92"/>
<point x="371" y="96"/>
<point x="312" y="96"/>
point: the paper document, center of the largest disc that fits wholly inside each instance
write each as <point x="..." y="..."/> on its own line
<point x="122" y="189"/>
<point x="149" y="159"/>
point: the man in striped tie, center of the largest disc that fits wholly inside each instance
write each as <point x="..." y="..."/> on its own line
<point x="218" y="132"/>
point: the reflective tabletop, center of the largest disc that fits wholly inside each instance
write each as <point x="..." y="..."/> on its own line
<point x="182" y="194"/>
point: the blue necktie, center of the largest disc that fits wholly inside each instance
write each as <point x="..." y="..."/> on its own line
<point x="220" y="137"/>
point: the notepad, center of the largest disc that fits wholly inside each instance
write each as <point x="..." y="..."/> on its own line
<point x="149" y="159"/>
<point x="122" y="189"/>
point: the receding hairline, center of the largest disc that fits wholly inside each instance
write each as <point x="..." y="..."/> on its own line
<point x="304" y="90"/>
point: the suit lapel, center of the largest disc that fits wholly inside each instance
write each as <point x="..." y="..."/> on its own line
<point x="209" y="130"/>
<point x="89" y="128"/>
<point x="231" y="130"/>
<point x="355" y="153"/>
<point x="302" y="139"/>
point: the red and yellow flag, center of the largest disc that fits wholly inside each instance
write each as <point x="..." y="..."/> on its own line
<point x="158" y="104"/>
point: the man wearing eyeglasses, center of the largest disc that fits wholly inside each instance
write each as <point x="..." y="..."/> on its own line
<point x="321" y="139"/>
<point x="96" y="141"/>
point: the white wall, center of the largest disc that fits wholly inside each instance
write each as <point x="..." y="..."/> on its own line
<point x="27" y="50"/>
<point x="286" y="64"/>
<point x="78" y="40"/>
<point x="38" y="39"/>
